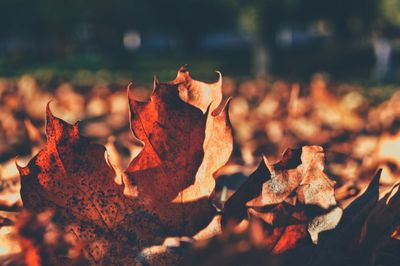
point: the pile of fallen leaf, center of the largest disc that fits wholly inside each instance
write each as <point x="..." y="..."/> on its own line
<point x="175" y="184"/>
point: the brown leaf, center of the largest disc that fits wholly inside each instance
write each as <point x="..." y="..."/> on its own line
<point x="165" y="190"/>
<point x="185" y="143"/>
<point x="296" y="200"/>
<point x="71" y="176"/>
<point x="300" y="170"/>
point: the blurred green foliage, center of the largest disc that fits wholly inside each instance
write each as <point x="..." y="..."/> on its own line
<point x="390" y="10"/>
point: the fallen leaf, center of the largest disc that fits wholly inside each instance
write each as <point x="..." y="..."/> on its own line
<point x="295" y="201"/>
<point x="185" y="143"/>
<point x="165" y="190"/>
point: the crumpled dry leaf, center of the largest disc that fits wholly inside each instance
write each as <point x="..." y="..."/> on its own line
<point x="300" y="170"/>
<point x="296" y="201"/>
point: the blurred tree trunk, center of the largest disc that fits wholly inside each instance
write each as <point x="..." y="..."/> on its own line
<point x="249" y="22"/>
<point x="261" y="58"/>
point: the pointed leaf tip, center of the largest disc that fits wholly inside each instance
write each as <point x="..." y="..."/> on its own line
<point x="130" y="85"/>
<point x="129" y="89"/>
<point x="155" y="85"/>
<point x="183" y="68"/>
<point x="375" y="180"/>
<point x="219" y="81"/>
<point x="183" y="75"/>
<point x="264" y="160"/>
<point x="155" y="81"/>
<point x="19" y="167"/>
<point x="49" y="114"/>
<point x="49" y="120"/>
<point x="23" y="170"/>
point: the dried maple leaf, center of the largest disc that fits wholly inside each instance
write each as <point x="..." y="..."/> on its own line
<point x="187" y="137"/>
<point x="296" y="200"/>
<point x="71" y="175"/>
<point x="164" y="191"/>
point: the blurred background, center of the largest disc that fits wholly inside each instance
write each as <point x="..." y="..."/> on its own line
<point x="301" y="72"/>
<point x="354" y="40"/>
